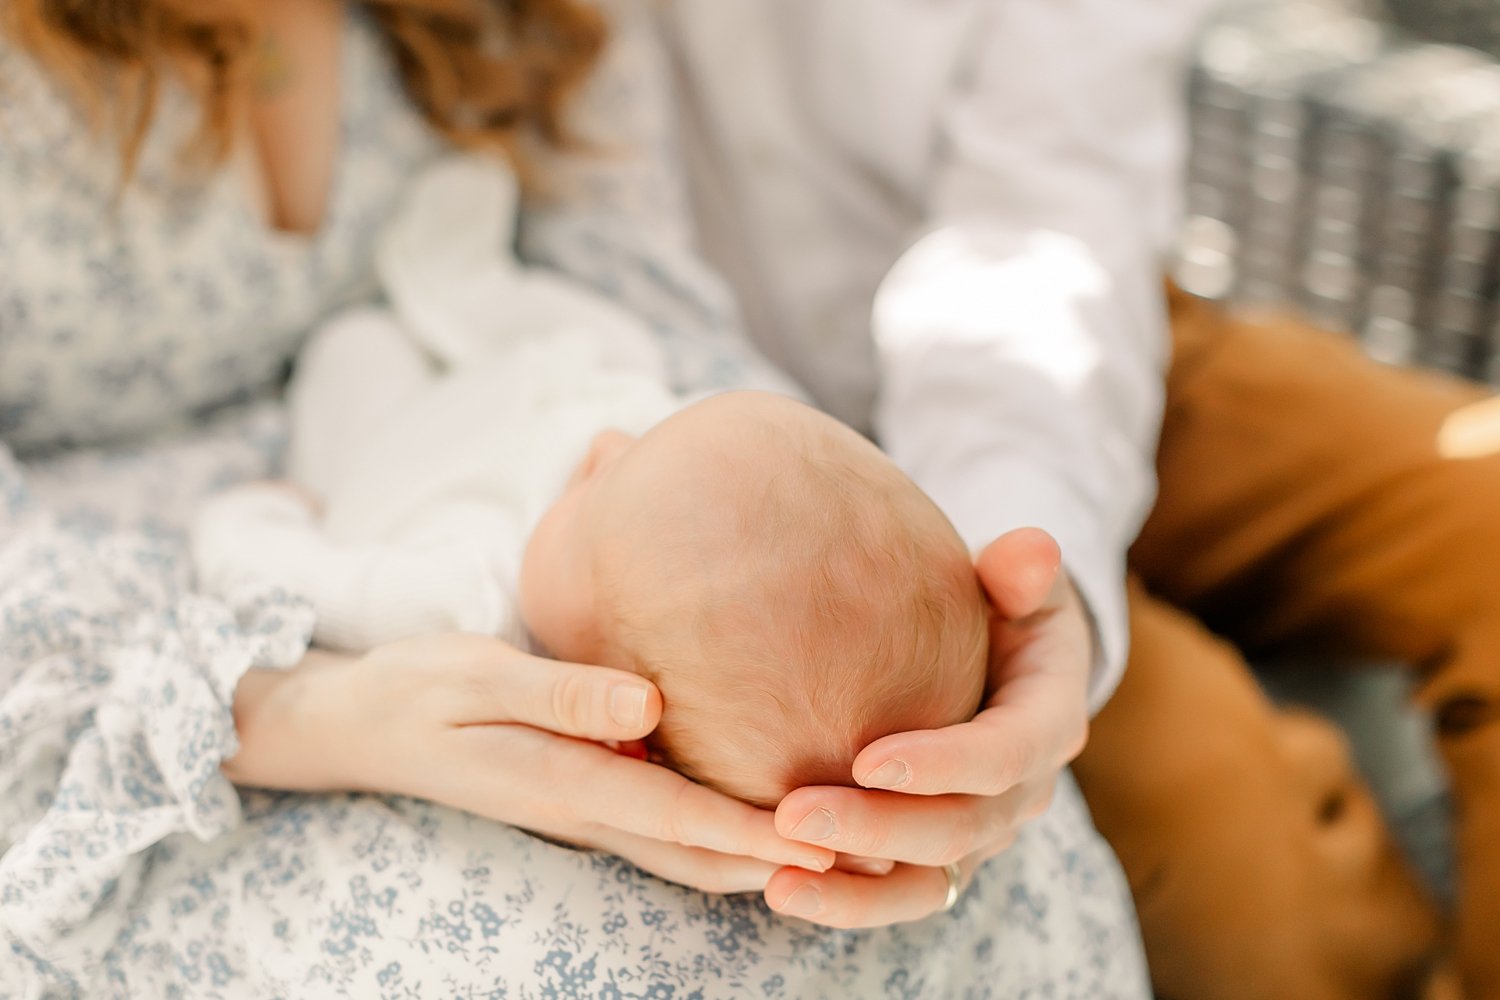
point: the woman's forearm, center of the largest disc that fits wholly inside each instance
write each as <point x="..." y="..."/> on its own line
<point x="284" y="720"/>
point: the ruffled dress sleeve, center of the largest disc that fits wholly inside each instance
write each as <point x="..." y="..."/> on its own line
<point x="116" y="684"/>
<point x="142" y="313"/>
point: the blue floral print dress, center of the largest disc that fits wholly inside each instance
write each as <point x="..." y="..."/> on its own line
<point x="143" y="333"/>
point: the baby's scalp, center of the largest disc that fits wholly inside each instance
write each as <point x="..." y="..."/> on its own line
<point x="794" y="595"/>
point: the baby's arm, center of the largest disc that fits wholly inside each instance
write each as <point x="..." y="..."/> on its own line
<point x="364" y="594"/>
<point x="354" y="375"/>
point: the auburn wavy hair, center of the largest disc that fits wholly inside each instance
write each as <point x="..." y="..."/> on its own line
<point x="493" y="73"/>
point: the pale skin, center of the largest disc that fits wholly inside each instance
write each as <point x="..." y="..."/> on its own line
<point x="650" y="527"/>
<point x="476" y="724"/>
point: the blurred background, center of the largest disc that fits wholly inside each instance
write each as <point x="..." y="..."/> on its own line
<point x="1346" y="162"/>
<point x="1346" y="158"/>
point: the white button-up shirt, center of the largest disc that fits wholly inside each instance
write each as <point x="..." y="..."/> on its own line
<point x="948" y="219"/>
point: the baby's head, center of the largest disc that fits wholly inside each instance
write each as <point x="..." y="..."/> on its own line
<point x="792" y="593"/>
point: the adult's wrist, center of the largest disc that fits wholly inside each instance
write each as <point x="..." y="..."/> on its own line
<point x="288" y="722"/>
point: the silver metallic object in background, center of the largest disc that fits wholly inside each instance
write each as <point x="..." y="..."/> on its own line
<point x="1345" y="167"/>
<point x="1474" y="23"/>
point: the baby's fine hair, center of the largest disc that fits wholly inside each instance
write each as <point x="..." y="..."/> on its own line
<point x="842" y="608"/>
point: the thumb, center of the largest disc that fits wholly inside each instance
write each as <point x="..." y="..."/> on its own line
<point x="597" y="703"/>
<point x="1018" y="571"/>
<point x="572" y="699"/>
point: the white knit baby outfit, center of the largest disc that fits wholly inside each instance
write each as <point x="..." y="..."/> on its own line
<point x="434" y="434"/>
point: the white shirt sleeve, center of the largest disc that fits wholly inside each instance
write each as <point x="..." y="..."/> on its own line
<point x="1022" y="338"/>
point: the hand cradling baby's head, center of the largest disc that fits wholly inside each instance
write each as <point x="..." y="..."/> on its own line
<point x="792" y="593"/>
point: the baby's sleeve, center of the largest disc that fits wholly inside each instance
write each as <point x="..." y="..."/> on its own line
<point x="618" y="219"/>
<point x="450" y="576"/>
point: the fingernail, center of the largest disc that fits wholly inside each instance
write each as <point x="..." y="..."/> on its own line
<point x="813" y="864"/>
<point x="803" y="902"/>
<point x="627" y="705"/>
<point x="815" y="826"/>
<point x="869" y="866"/>
<point x="891" y="774"/>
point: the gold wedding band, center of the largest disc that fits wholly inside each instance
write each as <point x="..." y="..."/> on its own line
<point x="955" y="879"/>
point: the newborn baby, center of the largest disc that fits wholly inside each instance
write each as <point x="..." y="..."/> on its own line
<point x="468" y="460"/>
<point x="791" y="592"/>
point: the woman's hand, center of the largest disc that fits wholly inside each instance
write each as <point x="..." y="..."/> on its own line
<point x="473" y="723"/>
<point x="956" y="795"/>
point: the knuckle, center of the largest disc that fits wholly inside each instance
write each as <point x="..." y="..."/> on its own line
<point x="472" y="680"/>
<point x="1001" y="827"/>
<point x="865" y="838"/>
<point x="1030" y="759"/>
<point x="1011" y="766"/>
<point x="674" y="826"/>
<point x="472" y="686"/>
<point x="570" y="700"/>
<point x="996" y="781"/>
<point x="962" y="834"/>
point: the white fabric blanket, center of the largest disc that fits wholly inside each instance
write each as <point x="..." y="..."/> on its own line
<point x="435" y="431"/>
